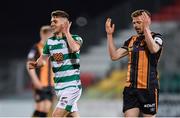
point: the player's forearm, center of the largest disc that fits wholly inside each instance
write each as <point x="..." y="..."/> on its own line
<point x="152" y="46"/>
<point x="74" y="46"/>
<point x="112" y="47"/>
<point x="33" y="75"/>
<point x="34" y="78"/>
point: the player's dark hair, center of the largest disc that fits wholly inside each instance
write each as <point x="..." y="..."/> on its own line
<point x="139" y="13"/>
<point x="60" y="13"/>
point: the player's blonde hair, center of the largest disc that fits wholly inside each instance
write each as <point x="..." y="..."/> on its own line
<point x="45" y="29"/>
<point x="139" y="13"/>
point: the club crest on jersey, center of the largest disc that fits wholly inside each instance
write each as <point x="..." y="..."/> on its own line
<point x="58" y="57"/>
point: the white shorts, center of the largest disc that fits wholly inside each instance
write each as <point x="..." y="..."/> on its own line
<point x="67" y="98"/>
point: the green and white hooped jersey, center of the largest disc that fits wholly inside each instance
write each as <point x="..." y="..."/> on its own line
<point x="65" y="65"/>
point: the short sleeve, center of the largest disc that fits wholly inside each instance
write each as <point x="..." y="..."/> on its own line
<point x="32" y="55"/>
<point x="126" y="44"/>
<point x="78" y="39"/>
<point x="158" y="39"/>
<point x="46" y="48"/>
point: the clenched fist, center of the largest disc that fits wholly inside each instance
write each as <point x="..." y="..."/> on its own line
<point x="32" y="64"/>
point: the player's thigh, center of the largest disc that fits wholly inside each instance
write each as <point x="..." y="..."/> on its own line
<point x="40" y="105"/>
<point x="73" y="114"/>
<point x="133" y="112"/>
<point x="47" y="105"/>
<point x="48" y="99"/>
<point x="68" y="99"/>
<point x="39" y="99"/>
<point x="149" y="115"/>
<point x="130" y="99"/>
<point x="149" y="104"/>
<point x="59" y="112"/>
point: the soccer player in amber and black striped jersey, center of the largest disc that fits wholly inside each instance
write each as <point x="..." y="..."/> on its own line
<point x="143" y="50"/>
<point x="42" y="78"/>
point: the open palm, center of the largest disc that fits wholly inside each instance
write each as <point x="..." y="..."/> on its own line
<point x="109" y="27"/>
<point x="66" y="27"/>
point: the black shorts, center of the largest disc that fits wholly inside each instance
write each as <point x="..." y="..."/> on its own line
<point x="46" y="93"/>
<point x="144" y="99"/>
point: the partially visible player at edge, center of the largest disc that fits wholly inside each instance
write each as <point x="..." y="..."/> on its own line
<point x="63" y="49"/>
<point x="141" y="92"/>
<point x="42" y="78"/>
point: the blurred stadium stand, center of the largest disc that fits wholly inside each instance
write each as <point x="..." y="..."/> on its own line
<point x="168" y="13"/>
<point x="101" y="77"/>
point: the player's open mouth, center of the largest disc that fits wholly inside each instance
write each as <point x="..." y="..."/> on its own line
<point x="137" y="29"/>
<point x="53" y="27"/>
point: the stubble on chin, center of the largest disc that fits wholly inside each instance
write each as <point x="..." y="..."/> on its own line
<point x="139" y="32"/>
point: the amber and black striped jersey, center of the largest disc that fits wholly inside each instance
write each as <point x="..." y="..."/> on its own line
<point x="142" y="65"/>
<point x="44" y="73"/>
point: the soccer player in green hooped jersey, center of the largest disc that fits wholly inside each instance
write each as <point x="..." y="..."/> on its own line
<point x="63" y="50"/>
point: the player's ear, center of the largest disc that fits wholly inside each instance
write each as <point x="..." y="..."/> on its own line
<point x="69" y="21"/>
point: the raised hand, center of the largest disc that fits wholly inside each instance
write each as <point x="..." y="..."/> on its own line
<point x="32" y="64"/>
<point x="109" y="27"/>
<point x="145" y="20"/>
<point x="66" y="27"/>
